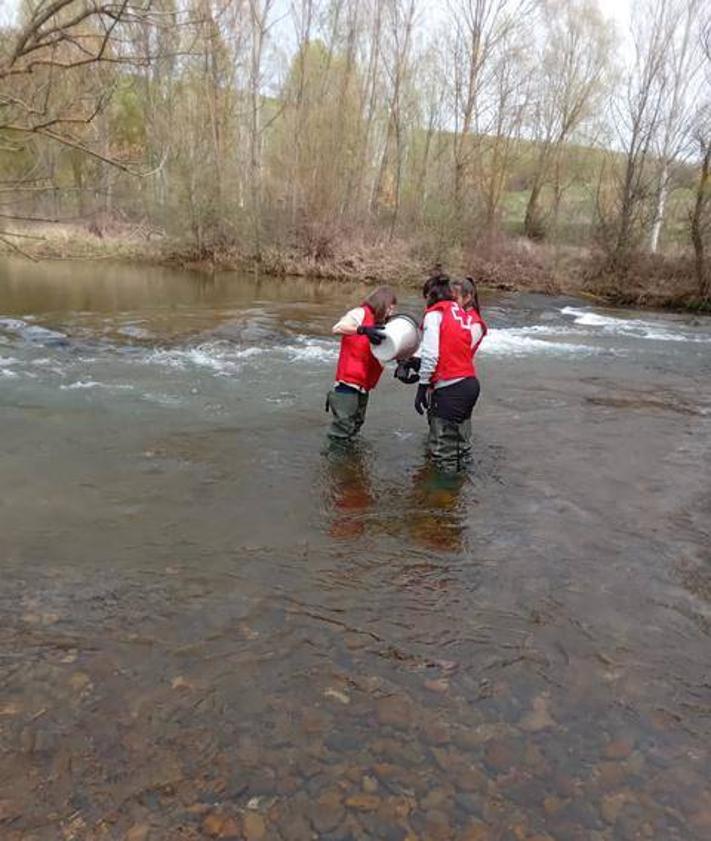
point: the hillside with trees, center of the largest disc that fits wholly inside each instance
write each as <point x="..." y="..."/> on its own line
<point x="532" y="142"/>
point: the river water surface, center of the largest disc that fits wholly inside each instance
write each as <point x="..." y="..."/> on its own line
<point x="213" y="627"/>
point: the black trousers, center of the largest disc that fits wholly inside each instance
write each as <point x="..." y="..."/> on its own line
<point x="454" y="403"/>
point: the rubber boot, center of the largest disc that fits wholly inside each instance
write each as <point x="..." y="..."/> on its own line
<point x="450" y="444"/>
<point x="348" y="410"/>
<point x="465" y="441"/>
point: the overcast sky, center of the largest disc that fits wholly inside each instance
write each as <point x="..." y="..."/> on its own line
<point x="616" y="9"/>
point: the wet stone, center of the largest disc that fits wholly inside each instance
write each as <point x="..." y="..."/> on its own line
<point x="343" y="741"/>
<point x="477" y="831"/>
<point x="397" y="753"/>
<point x="253" y="827"/>
<point x="501" y="754"/>
<point x="438" y="798"/>
<point x="552" y="805"/>
<point x="701" y="820"/>
<point x="611" y="806"/>
<point x="395" y="809"/>
<point x="471" y="779"/>
<point x="469" y="802"/>
<point x="539" y="717"/>
<point x="394" y="711"/>
<point x="618" y="749"/>
<point x="287" y="785"/>
<point x="9" y="810"/>
<point x="80" y="682"/>
<point x="294" y="827"/>
<point x="363" y="802"/>
<point x="564" y="786"/>
<point x="217" y="825"/>
<point x="369" y="785"/>
<point x="315" y="721"/>
<point x="534" y="758"/>
<point x="335" y="694"/>
<point x="482" y="734"/>
<point x="261" y="782"/>
<point x="327" y="812"/>
<point x="139" y="832"/>
<point x="374" y="827"/>
<point x="437" y="826"/>
<point x="436" y="733"/>
<point x="610" y="775"/>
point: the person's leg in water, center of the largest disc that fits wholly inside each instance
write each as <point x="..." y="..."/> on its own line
<point x="450" y="424"/>
<point x="348" y="407"/>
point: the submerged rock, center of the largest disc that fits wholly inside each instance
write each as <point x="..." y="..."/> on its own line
<point x="477" y="831"/>
<point x="337" y="695"/>
<point x="439" y="685"/>
<point x="253" y="826"/>
<point x="369" y="784"/>
<point x="327" y="812"/>
<point x="618" y="749"/>
<point x="139" y="832"/>
<point x="363" y="802"/>
<point x="395" y="712"/>
<point x="539" y="718"/>
<point x="218" y="825"/>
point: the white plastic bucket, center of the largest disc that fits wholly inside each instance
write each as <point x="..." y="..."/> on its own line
<point x="402" y="338"/>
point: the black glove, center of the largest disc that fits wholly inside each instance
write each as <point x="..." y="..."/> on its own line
<point x="406" y="371"/>
<point x="375" y="334"/>
<point x="422" y="401"/>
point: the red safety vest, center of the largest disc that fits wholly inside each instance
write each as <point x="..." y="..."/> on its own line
<point x="455" y="341"/>
<point x="356" y="364"/>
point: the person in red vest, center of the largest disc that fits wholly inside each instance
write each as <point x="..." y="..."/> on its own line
<point x="448" y="385"/>
<point x="358" y="371"/>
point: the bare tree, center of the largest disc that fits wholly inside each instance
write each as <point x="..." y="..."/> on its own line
<point x="681" y="72"/>
<point x="479" y="28"/>
<point x="638" y="115"/>
<point x="571" y="80"/>
<point x="700" y="216"/>
<point x="59" y="71"/>
<point x="399" y="18"/>
<point x="260" y="11"/>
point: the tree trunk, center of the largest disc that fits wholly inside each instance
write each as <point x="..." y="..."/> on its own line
<point x="703" y="276"/>
<point x="532" y="226"/>
<point x="662" y="194"/>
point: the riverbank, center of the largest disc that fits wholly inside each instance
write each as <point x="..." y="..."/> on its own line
<point x="513" y="264"/>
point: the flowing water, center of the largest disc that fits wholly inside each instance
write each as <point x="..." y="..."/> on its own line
<point x="212" y="626"/>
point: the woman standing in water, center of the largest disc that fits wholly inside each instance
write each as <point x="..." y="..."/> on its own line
<point x="358" y="371"/>
<point x="449" y="387"/>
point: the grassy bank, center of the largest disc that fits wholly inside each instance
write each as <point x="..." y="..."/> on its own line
<point x="652" y="281"/>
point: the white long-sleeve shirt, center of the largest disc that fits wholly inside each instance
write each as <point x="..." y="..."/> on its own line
<point x="352" y="320"/>
<point x="429" y="347"/>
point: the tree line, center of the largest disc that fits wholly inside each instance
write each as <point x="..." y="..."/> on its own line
<point x="261" y="122"/>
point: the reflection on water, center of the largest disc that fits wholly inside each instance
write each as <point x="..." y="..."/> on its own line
<point x="430" y="512"/>
<point x="438" y="519"/>
<point x="213" y="627"/>
<point x="348" y="488"/>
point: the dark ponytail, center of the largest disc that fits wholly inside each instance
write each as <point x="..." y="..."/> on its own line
<point x="475" y="295"/>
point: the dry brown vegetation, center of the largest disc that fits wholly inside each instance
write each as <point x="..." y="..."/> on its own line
<point x="349" y="139"/>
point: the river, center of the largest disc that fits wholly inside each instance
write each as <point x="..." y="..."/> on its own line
<point x="212" y="626"/>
